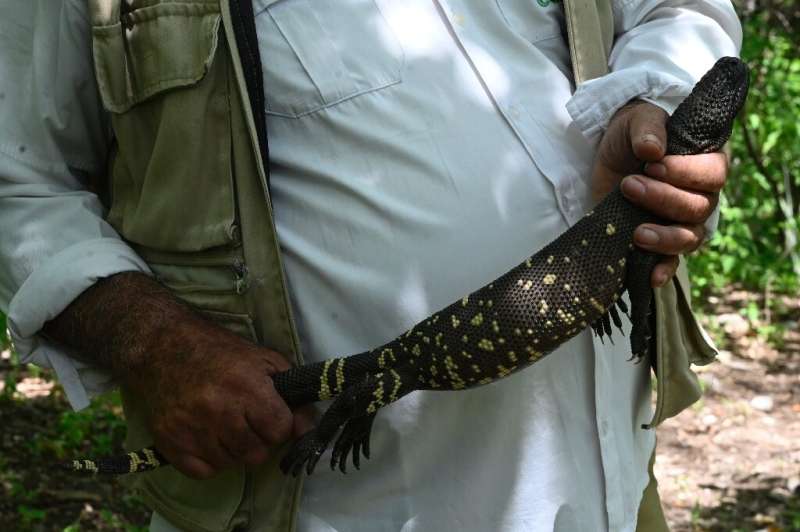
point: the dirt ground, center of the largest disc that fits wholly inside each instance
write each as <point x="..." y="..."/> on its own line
<point x="731" y="462"/>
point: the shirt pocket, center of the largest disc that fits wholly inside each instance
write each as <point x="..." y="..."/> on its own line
<point x="320" y="53"/>
<point x="534" y="20"/>
<point x="163" y="73"/>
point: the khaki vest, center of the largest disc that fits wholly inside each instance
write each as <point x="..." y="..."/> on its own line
<point x="187" y="189"/>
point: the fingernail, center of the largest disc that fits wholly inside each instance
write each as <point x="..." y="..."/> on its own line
<point x="647" y="237"/>
<point x="649" y="137"/>
<point x="661" y="280"/>
<point x="633" y="187"/>
<point x="655" y="170"/>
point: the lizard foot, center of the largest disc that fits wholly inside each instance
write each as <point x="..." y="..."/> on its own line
<point x="602" y="327"/>
<point x="641" y="335"/>
<point x="354" y="437"/>
<point x="355" y="408"/>
<point x="354" y="403"/>
<point x="305" y="452"/>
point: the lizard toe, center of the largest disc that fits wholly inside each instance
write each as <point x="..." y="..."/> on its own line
<point x="304" y="453"/>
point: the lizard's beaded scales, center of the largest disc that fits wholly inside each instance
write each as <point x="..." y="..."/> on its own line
<point x="574" y="282"/>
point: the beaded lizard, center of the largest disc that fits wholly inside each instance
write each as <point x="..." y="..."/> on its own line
<point x="574" y="282"/>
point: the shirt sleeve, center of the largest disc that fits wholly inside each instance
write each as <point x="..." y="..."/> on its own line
<point x="53" y="136"/>
<point x="661" y="49"/>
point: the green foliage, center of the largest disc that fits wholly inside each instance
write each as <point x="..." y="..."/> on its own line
<point x="96" y="431"/>
<point x="29" y="515"/>
<point x="4" y="342"/>
<point x="757" y="241"/>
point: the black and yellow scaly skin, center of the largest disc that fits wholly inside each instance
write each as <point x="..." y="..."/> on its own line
<point x="574" y="282"/>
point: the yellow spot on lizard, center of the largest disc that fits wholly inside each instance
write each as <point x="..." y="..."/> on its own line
<point x="324" y="388"/>
<point x="340" y="375"/>
<point x="486" y="344"/>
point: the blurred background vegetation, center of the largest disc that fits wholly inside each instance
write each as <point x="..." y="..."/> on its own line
<point x="746" y="281"/>
<point x="757" y="242"/>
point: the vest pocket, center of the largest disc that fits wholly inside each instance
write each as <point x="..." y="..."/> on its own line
<point x="154" y="48"/>
<point x="319" y="53"/>
<point x="162" y="72"/>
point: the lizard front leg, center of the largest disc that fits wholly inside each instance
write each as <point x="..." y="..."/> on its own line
<point x="355" y="407"/>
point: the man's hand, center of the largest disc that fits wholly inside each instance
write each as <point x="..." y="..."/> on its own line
<point x="210" y="400"/>
<point x="683" y="189"/>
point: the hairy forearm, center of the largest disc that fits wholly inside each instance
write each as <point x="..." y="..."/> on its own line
<point x="122" y="322"/>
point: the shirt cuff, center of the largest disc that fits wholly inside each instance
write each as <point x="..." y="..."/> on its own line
<point x="596" y="101"/>
<point x="47" y="292"/>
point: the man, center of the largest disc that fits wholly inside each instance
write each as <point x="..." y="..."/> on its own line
<point x="418" y="149"/>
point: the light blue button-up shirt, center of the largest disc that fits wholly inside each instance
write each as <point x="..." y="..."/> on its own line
<point x="420" y="148"/>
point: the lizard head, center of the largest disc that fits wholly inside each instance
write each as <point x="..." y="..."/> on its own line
<point x="714" y="103"/>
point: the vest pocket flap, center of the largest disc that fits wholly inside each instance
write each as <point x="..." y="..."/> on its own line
<point x="153" y="49"/>
<point x="704" y="350"/>
<point x="681" y="342"/>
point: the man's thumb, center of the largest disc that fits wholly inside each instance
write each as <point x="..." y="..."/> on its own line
<point x="648" y="133"/>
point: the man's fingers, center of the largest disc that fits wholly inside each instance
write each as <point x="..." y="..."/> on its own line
<point x="303" y="420"/>
<point x="193" y="467"/>
<point x="272" y="420"/>
<point x="669" y="239"/>
<point x="647" y="131"/>
<point x="667" y="201"/>
<point x="213" y="451"/>
<point x="704" y="173"/>
<point x="664" y="271"/>
<point x="188" y="458"/>
<point x="244" y="444"/>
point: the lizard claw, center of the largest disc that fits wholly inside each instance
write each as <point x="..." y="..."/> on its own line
<point x="305" y="452"/>
<point x="354" y="437"/>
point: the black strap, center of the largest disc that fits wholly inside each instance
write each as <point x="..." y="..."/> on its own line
<point x="244" y="29"/>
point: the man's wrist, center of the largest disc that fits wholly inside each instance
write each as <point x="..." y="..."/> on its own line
<point x="120" y="323"/>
